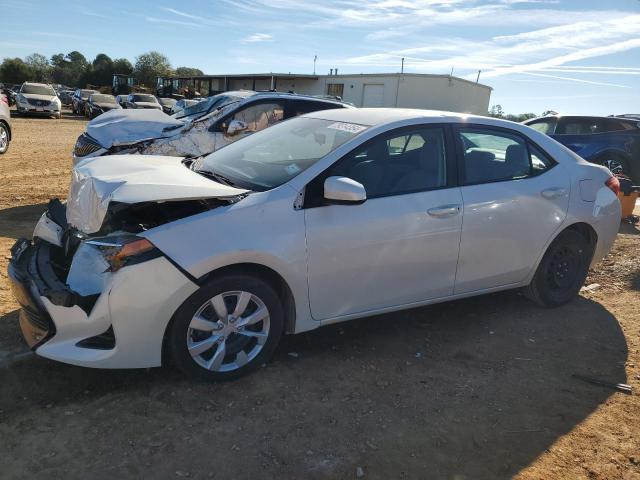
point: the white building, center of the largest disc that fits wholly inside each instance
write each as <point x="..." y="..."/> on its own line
<point x="409" y="90"/>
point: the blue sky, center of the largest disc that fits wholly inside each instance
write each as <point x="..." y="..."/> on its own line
<point x="578" y="56"/>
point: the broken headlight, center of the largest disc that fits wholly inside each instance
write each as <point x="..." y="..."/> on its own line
<point x="122" y="250"/>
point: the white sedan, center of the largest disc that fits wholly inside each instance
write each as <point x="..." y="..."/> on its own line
<point x="323" y="218"/>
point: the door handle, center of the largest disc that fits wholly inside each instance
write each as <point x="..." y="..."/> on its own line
<point x="554" y="192"/>
<point x="444" y="211"/>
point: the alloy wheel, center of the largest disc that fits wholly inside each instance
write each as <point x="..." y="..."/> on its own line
<point x="4" y="139"/>
<point x="614" y="166"/>
<point x="228" y="331"/>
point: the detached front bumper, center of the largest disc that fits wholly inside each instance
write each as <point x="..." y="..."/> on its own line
<point x="33" y="281"/>
<point x="121" y="326"/>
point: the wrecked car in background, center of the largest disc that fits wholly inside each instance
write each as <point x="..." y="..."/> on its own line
<point x="98" y="103"/>
<point x="195" y="131"/>
<point x="167" y="104"/>
<point x="141" y="100"/>
<point x="80" y="96"/>
<point x="610" y="141"/>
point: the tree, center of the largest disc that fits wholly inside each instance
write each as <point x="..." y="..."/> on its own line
<point x="40" y="68"/>
<point x="101" y="71"/>
<point x="496" y="111"/>
<point x="188" y="72"/>
<point x="14" y="70"/>
<point x="123" y="66"/>
<point x="151" y="65"/>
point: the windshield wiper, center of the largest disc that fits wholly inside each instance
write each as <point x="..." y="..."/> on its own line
<point x="217" y="177"/>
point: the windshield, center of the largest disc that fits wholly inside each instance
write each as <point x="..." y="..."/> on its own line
<point x="37" y="90"/>
<point x="205" y="106"/>
<point x="86" y="93"/>
<point x="273" y="156"/>
<point x="144" y="98"/>
<point x="103" y="99"/>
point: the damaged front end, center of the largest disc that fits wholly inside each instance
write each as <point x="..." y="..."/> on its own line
<point x="89" y="272"/>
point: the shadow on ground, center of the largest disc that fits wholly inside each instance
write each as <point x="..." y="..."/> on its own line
<point x="19" y="221"/>
<point x="470" y="389"/>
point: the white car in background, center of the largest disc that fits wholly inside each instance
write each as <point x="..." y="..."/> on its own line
<point x="327" y="217"/>
<point x="38" y="99"/>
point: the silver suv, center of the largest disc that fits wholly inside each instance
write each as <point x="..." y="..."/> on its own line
<point x="38" y="99"/>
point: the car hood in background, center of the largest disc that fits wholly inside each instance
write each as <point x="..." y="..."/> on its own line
<point x="125" y="126"/>
<point x="134" y="179"/>
<point x="147" y="105"/>
<point x="35" y="96"/>
<point x="108" y="105"/>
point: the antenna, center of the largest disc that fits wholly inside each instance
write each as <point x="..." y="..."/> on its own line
<point x="478" y="77"/>
<point x="402" y="66"/>
<point x="315" y="57"/>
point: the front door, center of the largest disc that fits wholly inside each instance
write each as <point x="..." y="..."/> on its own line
<point x="515" y="198"/>
<point x="398" y="247"/>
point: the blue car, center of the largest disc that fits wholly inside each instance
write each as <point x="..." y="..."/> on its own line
<point x="610" y="141"/>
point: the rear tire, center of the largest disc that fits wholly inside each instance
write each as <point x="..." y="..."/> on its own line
<point x="562" y="271"/>
<point x="212" y="337"/>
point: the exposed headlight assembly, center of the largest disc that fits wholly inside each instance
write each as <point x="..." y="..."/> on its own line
<point x="122" y="250"/>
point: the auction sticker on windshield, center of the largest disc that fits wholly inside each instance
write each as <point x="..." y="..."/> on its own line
<point x="347" y="127"/>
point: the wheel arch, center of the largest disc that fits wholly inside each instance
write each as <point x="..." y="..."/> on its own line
<point x="263" y="272"/>
<point x="583" y="228"/>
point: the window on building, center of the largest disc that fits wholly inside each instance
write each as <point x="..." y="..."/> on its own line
<point x="335" y="89"/>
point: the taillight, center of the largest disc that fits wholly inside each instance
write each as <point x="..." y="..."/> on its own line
<point x="614" y="184"/>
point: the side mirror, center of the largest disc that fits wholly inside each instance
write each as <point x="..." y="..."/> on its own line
<point x="343" y="190"/>
<point x="235" y="127"/>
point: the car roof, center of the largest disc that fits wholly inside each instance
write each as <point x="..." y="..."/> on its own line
<point x="37" y="84"/>
<point x="378" y="116"/>
<point x="586" y="117"/>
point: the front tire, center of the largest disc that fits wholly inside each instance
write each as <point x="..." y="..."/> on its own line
<point x="4" y="138"/>
<point x="562" y="271"/>
<point x="226" y="329"/>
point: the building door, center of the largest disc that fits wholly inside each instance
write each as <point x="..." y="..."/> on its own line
<point x="373" y="95"/>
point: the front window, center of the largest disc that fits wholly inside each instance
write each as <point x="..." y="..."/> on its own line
<point x="37" y="90"/>
<point x="197" y="109"/>
<point x="275" y="155"/>
<point x="260" y="116"/>
<point x="144" y="98"/>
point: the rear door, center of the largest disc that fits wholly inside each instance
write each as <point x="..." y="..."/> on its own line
<point x="515" y="198"/>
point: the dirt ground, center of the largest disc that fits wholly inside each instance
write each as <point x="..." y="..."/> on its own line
<point x="474" y="389"/>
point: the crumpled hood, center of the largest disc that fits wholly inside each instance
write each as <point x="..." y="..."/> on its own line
<point x="133" y="179"/>
<point x="127" y="126"/>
